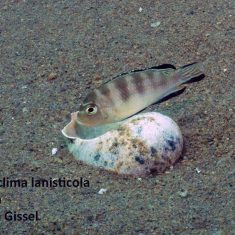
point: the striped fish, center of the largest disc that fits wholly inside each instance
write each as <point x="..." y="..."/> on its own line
<point x="129" y="93"/>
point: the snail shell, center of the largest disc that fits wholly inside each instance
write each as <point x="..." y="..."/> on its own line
<point x="142" y="144"/>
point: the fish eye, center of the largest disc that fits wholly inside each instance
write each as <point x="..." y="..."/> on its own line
<point x="91" y="109"/>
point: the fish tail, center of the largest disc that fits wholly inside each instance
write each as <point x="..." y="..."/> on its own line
<point x="188" y="72"/>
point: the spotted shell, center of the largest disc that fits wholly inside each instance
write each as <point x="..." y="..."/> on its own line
<point x="143" y="144"/>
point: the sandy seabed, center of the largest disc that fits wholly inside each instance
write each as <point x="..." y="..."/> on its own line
<point x="53" y="53"/>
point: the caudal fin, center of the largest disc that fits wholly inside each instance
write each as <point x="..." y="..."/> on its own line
<point x="190" y="71"/>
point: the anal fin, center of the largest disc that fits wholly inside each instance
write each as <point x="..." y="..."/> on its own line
<point x="172" y="93"/>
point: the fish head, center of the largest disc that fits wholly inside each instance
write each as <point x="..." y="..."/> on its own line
<point x="89" y="114"/>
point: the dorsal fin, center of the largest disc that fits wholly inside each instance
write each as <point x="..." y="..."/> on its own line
<point x="162" y="66"/>
<point x="187" y="65"/>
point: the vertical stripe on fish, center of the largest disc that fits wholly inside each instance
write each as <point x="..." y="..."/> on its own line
<point x="122" y="86"/>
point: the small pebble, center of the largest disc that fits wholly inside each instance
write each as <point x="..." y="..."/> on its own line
<point x="24" y="110"/>
<point x="102" y="191"/>
<point x="52" y="76"/>
<point x="183" y="193"/>
<point x="155" y="24"/>
<point x="54" y="151"/>
<point x="2" y="141"/>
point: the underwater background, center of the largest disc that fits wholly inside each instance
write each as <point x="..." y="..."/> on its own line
<point x="54" y="52"/>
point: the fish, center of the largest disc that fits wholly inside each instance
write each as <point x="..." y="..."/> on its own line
<point x="131" y="92"/>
